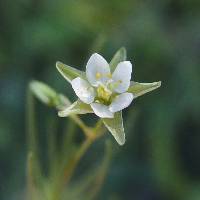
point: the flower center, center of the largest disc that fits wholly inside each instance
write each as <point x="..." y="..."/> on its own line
<point x="103" y="95"/>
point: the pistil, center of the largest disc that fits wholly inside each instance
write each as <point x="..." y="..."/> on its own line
<point x="104" y="95"/>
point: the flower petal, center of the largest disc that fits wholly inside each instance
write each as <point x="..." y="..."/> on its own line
<point x="121" y="101"/>
<point x="83" y="90"/>
<point x="122" y="76"/>
<point x="101" y="110"/>
<point x="97" y="70"/>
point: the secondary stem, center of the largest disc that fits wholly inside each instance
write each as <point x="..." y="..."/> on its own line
<point x="69" y="170"/>
<point x="81" y="124"/>
<point x="91" y="135"/>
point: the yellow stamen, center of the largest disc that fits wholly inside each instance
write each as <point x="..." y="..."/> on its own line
<point x="109" y="75"/>
<point x="103" y="94"/>
<point x="98" y="75"/>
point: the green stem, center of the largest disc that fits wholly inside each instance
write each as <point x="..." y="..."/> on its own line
<point x="68" y="137"/>
<point x="69" y="170"/>
<point x="91" y="135"/>
<point x="33" y="166"/>
<point x="30" y="184"/>
<point x="102" y="172"/>
<point x="81" y="124"/>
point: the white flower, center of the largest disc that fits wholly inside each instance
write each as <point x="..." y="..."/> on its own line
<point x="105" y="92"/>
<point x="104" y="89"/>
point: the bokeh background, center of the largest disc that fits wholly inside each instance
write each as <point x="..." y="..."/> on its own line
<point x="161" y="158"/>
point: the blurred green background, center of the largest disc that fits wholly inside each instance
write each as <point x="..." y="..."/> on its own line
<point x="160" y="160"/>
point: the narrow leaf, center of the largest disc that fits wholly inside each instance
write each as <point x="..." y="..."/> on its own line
<point x="119" y="56"/>
<point x="69" y="73"/>
<point x="139" y="89"/>
<point x="77" y="107"/>
<point x="115" y="126"/>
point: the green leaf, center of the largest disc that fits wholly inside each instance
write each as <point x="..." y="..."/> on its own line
<point x="69" y="73"/>
<point x="119" y="56"/>
<point x="115" y="126"/>
<point x="77" y="107"/>
<point x="44" y="93"/>
<point x="139" y="89"/>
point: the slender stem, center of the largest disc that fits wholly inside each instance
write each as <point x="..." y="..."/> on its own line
<point x="69" y="170"/>
<point x="30" y="185"/>
<point x="92" y="135"/>
<point x="33" y="166"/>
<point x="102" y="172"/>
<point x="81" y="124"/>
<point x="99" y="129"/>
<point x="31" y="124"/>
<point x="68" y="137"/>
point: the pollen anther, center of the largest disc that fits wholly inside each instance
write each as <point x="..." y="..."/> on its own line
<point x="98" y="75"/>
<point x="109" y="75"/>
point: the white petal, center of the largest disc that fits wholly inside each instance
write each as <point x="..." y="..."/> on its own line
<point x="97" y="70"/>
<point x="122" y="76"/>
<point x="101" y="110"/>
<point x="121" y="101"/>
<point x="83" y="90"/>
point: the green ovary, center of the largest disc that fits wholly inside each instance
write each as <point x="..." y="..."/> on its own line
<point x="103" y="95"/>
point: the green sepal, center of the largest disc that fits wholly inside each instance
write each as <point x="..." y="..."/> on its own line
<point x="116" y="127"/>
<point x="138" y="89"/>
<point x="78" y="107"/>
<point x="119" y="56"/>
<point x="69" y="73"/>
<point x="63" y="102"/>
